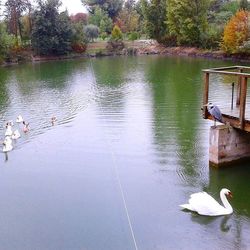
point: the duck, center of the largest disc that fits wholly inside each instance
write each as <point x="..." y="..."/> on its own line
<point x="19" y="119"/>
<point x="205" y="204"/>
<point x="8" y="131"/>
<point x="26" y="127"/>
<point x="53" y="120"/>
<point x="7" y="144"/>
<point x="15" y="135"/>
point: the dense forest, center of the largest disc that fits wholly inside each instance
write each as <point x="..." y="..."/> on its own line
<point x="41" y="28"/>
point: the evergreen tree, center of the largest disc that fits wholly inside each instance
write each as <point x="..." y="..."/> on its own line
<point x="154" y="13"/>
<point x="112" y="7"/>
<point x="91" y="32"/>
<point x="116" y="34"/>
<point x="101" y="19"/>
<point x="187" y="20"/>
<point x="52" y="32"/>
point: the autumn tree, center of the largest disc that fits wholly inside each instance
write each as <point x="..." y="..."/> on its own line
<point x="116" y="34"/>
<point x="236" y="32"/>
<point x="79" y="18"/>
<point x="128" y="18"/>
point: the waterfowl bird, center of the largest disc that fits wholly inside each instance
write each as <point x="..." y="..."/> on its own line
<point x="8" y="131"/>
<point x="53" y="120"/>
<point x="19" y="119"/>
<point x="26" y="127"/>
<point x="204" y="204"/>
<point x="15" y="135"/>
<point x="9" y="123"/>
<point x="7" y="144"/>
<point x="215" y="112"/>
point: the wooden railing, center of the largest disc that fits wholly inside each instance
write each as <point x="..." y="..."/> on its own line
<point x="240" y="72"/>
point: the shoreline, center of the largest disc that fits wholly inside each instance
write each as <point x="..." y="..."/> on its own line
<point x="135" y="48"/>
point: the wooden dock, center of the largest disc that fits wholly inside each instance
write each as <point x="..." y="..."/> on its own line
<point x="237" y="117"/>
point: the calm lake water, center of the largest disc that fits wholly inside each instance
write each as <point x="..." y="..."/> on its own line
<point x="128" y="147"/>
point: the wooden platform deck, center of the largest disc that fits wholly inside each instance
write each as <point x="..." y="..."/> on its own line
<point x="236" y="117"/>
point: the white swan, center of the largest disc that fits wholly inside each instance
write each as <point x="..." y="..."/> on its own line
<point x="8" y="131"/>
<point x="204" y="204"/>
<point x="19" y="119"/>
<point x="7" y="144"/>
<point x="15" y="135"/>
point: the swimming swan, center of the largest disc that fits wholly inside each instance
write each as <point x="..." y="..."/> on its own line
<point x="19" y="119"/>
<point x="8" y="131"/>
<point x="204" y="204"/>
<point x="7" y="144"/>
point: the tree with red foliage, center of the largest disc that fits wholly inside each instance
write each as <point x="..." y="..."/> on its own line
<point x="79" y="17"/>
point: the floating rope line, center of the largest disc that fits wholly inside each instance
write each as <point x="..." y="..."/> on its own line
<point x="116" y="173"/>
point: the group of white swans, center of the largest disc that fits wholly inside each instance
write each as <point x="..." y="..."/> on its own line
<point x="13" y="135"/>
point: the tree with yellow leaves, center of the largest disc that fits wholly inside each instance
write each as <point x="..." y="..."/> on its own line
<point x="236" y="32"/>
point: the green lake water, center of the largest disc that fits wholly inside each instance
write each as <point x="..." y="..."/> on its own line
<point x="128" y="147"/>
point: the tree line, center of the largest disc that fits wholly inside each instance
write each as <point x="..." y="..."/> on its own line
<point x="42" y="28"/>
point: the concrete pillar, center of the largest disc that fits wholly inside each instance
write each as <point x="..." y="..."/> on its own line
<point x="228" y="145"/>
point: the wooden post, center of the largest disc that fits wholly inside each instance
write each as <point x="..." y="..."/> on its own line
<point x="238" y="88"/>
<point x="243" y="101"/>
<point x="205" y="95"/>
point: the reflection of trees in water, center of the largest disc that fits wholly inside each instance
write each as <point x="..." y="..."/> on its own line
<point x="4" y="96"/>
<point x="177" y="90"/>
<point x="38" y="91"/>
<point x="111" y="75"/>
<point x="54" y="75"/>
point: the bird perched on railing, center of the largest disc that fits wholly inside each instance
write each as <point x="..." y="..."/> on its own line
<point x="214" y="112"/>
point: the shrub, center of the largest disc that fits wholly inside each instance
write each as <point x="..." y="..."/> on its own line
<point x="116" y="34"/>
<point x="212" y="38"/>
<point x="91" y="31"/>
<point x="133" y="36"/>
<point x="235" y="32"/>
<point x="103" y="35"/>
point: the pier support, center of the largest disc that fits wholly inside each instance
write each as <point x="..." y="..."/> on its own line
<point x="228" y="145"/>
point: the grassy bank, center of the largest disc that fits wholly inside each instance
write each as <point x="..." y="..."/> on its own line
<point x="139" y="47"/>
